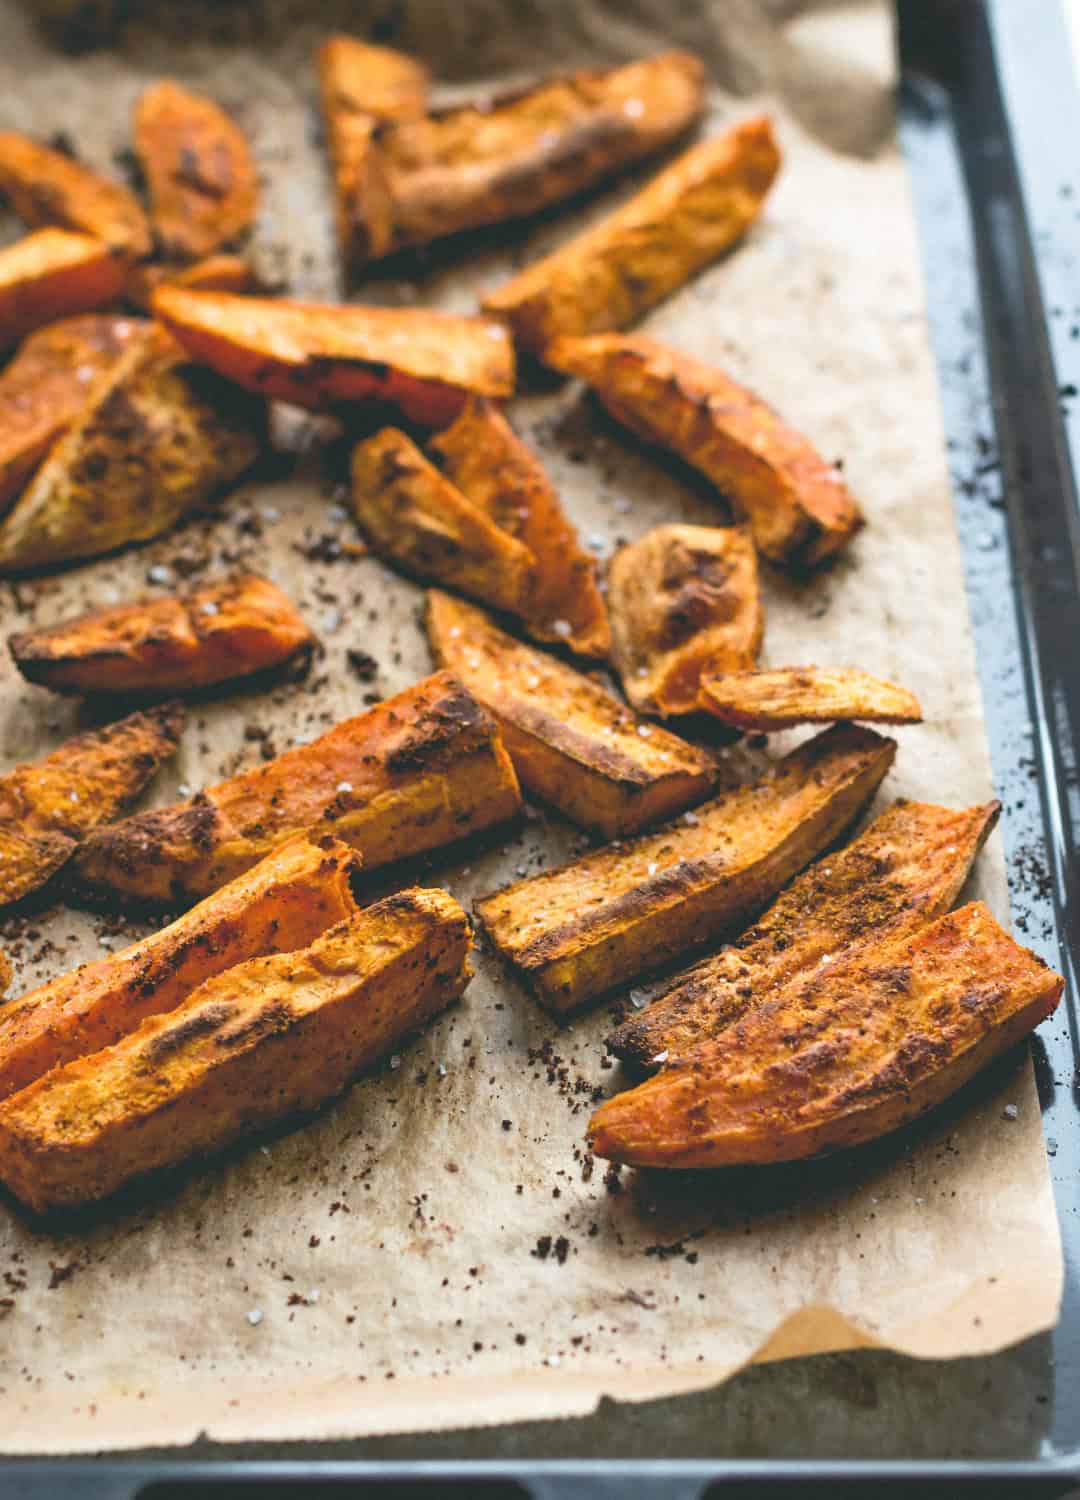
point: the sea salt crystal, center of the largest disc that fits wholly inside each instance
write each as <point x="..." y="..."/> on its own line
<point x="337" y="513"/>
<point x="343" y="786"/>
<point x="254" y="1317"/>
<point x="159" y="574"/>
<point x="183" y="790"/>
<point x="638" y="999"/>
<point x="661" y="1057"/>
<point x="395" y="1062"/>
<point x="441" y="1070"/>
<point x="553" y="1360"/>
<point x="691" y="819"/>
<point x="209" y="608"/>
<point x="271" y="513"/>
<point x="644" y="730"/>
<point x="313" y="1296"/>
<point x="562" y="628"/>
<point x="1010" y="1112"/>
<point x="653" y="867"/>
<point x="73" y="796"/>
<point x="331" y="621"/>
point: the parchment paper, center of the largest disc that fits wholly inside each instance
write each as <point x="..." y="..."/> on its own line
<point x="436" y="1249"/>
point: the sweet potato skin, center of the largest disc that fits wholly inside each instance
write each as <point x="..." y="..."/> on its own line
<point x="904" y="871"/>
<point x="47" y="188"/>
<point x="48" y="805"/>
<point x="422" y="361"/>
<point x="483" y="456"/>
<point x="572" y="743"/>
<point x="418" y="771"/>
<point x="216" y="273"/>
<point x="417" y="519"/>
<point x="683" y="600"/>
<point x="784" y="696"/>
<point x="609" y="276"/>
<point x="630" y="909"/>
<point x="797" y="507"/>
<point x="281" y="904"/>
<point x="841" y="1057"/>
<point x="198" y="169"/>
<point x="54" y="274"/>
<point x="5" y="973"/>
<point x="267" y="1039"/>
<point x="173" y="645"/>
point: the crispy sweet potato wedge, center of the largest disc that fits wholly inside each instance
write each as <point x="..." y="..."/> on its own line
<point x="262" y="1041"/>
<point x="483" y="456"/>
<point x="413" y="516"/>
<point x="630" y="909"/>
<point x="423" y="362"/>
<point x="54" y="274"/>
<point x="279" y="905"/>
<point x="172" y="645"/>
<point x="796" y="505"/>
<point x="418" y="771"/>
<point x="217" y="273"/>
<point x="572" y="743"/>
<point x="905" y="870"/>
<point x="683" y="600"/>
<point x="613" y="273"/>
<point x="784" y="696"/>
<point x="45" y="188"/>
<point x="198" y="170"/>
<point x="158" y="437"/>
<point x="841" y="1056"/>
<point x="47" y="806"/>
<point x="45" y="387"/>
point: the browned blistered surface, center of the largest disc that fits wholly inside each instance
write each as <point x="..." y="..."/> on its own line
<point x="47" y="187"/>
<point x="781" y="697"/>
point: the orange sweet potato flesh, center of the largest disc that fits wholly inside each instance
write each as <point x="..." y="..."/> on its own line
<point x="5" y="973"/>
<point x="45" y="386"/>
<point x="54" y="274"/>
<point x="784" y="696"/>
<point x="424" y="362"/>
<point x="572" y="743"/>
<point x="198" y="170"/>
<point x="612" y="274"/>
<point x="416" y="772"/>
<point x="483" y="456"/>
<point x="216" y="273"/>
<point x="279" y="905"/>
<point x="905" y="870"/>
<point x="630" y="909"/>
<point x="173" y="645"/>
<point x="796" y="505"/>
<point x="48" y="805"/>
<point x="414" y="517"/>
<point x="267" y="1039"/>
<point x="683" y="600"/>
<point x="841" y="1056"/>
<point x="47" y="188"/>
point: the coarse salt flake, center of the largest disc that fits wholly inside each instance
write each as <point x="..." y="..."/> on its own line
<point x="208" y="607"/>
<point x="638" y="999"/>
<point x="395" y="1062"/>
<point x="255" y="1317"/>
<point x="343" y="786"/>
<point x="562" y="628"/>
<point x="644" y="730"/>
<point x="1010" y="1112"/>
<point x="661" y="1057"/>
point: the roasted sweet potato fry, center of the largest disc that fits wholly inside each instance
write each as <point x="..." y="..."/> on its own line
<point x="47" y="806"/>
<point x="217" y="273"/>
<point x="572" y="743"/>
<point x="45" y="188"/>
<point x="784" y="696"/>
<point x="53" y="274"/>
<point x="158" y="437"/>
<point x="796" y="505"/>
<point x="415" y="772"/>
<point x="281" y="904"/>
<point x="482" y="455"/>
<point x="907" y="869"/>
<point x="683" y="600"/>
<point x="45" y="387"/>
<point x="841" y="1056"/>
<point x="270" y="1038"/>
<point x="421" y="361"/>
<point x="172" y="645"/>
<point x="613" y="273"/>
<point x="198" y="170"/>
<point x="630" y="909"/>
<point x="417" y="519"/>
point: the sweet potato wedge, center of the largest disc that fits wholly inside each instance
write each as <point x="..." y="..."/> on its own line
<point x="682" y="600"/>
<point x="217" y="273"/>
<point x="630" y="909"/>
<point x="48" y="805"/>
<point x="423" y="362"/>
<point x="158" y="437"/>
<point x="613" y="273"/>
<point x="784" y="696"/>
<point x="264" y="1040"/>
<point x="281" y="904"/>
<point x="413" y="516"/>
<point x="54" y="274"/>
<point x="45" y="387"/>
<point x="797" y="507"/>
<point x="572" y="743"/>
<point x="418" y="771"/>
<point x="47" y="188"/>
<point x="172" y="645"/>
<point x="483" y="456"/>
<point x="198" y="170"/>
<point x="841" y="1056"/>
<point x="905" y="870"/>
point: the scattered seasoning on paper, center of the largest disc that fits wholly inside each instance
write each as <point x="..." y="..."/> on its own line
<point x="255" y="1317"/>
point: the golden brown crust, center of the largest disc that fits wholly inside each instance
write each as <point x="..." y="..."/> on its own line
<point x="45" y="188"/>
<point x="216" y="273"/>
<point x="785" y="696"/>
<point x="54" y="274"/>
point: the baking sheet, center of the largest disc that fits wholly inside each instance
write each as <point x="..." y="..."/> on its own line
<point x="436" y="1249"/>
